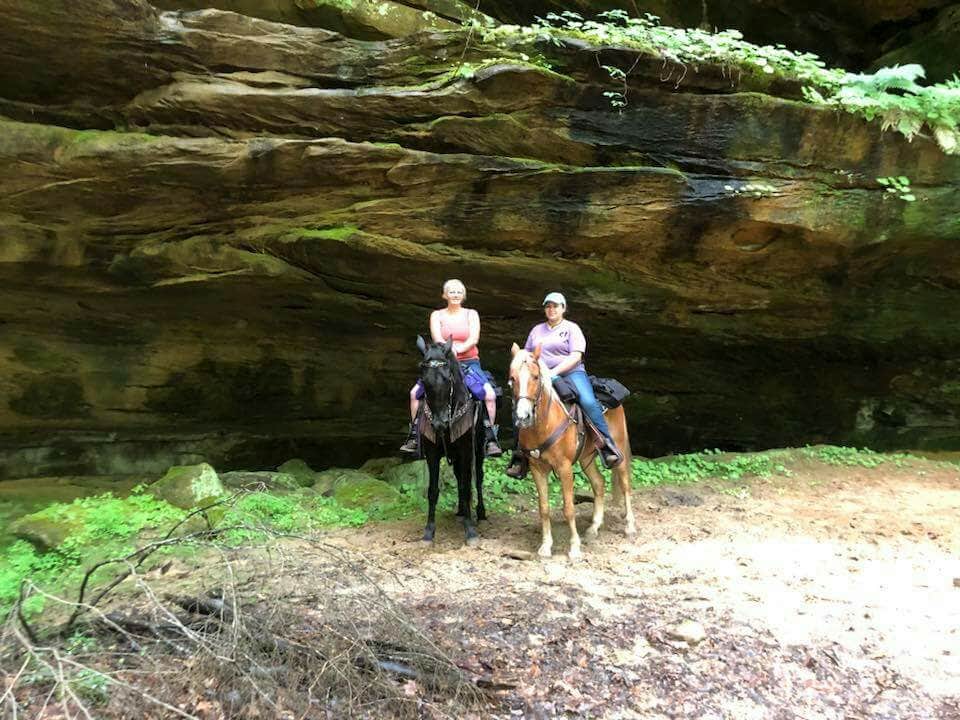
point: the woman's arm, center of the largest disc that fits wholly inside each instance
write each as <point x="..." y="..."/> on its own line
<point x="435" y="331"/>
<point x="568" y="363"/>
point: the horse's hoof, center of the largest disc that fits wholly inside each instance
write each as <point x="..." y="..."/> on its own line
<point x="427" y="542"/>
<point x="592" y="532"/>
<point x="544" y="552"/>
<point x="473" y="541"/>
<point x="630" y="532"/>
<point x="575" y="555"/>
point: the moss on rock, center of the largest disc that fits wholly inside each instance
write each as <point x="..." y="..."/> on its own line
<point x="366" y="493"/>
<point x="47" y="529"/>
<point x="330" y="480"/>
<point x="188" y="486"/>
<point x="298" y="469"/>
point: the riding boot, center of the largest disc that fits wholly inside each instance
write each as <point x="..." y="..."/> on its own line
<point x="610" y="455"/>
<point x="411" y="445"/>
<point x="519" y="464"/>
<point x="491" y="447"/>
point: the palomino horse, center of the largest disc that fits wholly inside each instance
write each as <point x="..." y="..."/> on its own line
<point x="552" y="440"/>
<point x="450" y="427"/>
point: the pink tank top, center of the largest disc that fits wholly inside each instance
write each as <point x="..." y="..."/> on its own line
<point x="458" y="327"/>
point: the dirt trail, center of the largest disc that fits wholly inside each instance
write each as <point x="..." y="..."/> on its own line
<point x="830" y="594"/>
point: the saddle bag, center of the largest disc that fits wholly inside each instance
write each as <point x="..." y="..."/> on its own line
<point x="566" y="390"/>
<point x="611" y="393"/>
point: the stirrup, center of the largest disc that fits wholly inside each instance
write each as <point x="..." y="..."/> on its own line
<point x="491" y="447"/>
<point x="610" y="455"/>
<point x="518" y="466"/>
<point x="410" y="445"/>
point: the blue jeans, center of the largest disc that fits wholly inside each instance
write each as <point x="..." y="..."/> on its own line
<point x="588" y="401"/>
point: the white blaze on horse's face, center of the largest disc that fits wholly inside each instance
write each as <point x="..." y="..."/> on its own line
<point x="524" y="404"/>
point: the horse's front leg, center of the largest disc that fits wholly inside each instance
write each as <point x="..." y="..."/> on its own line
<point x="433" y="491"/>
<point x="565" y="473"/>
<point x="478" y="469"/>
<point x="464" y="492"/>
<point x="543" y="494"/>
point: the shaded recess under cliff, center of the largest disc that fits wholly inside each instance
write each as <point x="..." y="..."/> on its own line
<point x="241" y="280"/>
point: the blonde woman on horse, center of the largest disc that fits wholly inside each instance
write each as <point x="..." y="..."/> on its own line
<point x="463" y="326"/>
<point x="562" y="346"/>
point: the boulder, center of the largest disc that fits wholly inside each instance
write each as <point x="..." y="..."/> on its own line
<point x="188" y="486"/>
<point x="47" y="529"/>
<point x="415" y="474"/>
<point x="273" y="481"/>
<point x="299" y="471"/>
<point x="366" y="493"/>
<point x="327" y="481"/>
<point x="378" y="466"/>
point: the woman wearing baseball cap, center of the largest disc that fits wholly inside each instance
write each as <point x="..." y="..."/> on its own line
<point x="463" y="326"/>
<point x="562" y="346"/>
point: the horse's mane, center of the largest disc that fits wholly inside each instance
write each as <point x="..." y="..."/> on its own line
<point x="456" y="379"/>
<point x="545" y="373"/>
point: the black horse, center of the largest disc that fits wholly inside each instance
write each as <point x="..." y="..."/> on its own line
<point x="451" y="428"/>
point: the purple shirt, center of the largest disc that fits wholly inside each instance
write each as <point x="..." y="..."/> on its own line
<point x="557" y="343"/>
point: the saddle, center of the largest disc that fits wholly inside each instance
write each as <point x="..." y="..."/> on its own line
<point x="582" y="422"/>
<point x="609" y="392"/>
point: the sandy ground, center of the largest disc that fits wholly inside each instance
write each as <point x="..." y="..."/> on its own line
<point x="834" y="593"/>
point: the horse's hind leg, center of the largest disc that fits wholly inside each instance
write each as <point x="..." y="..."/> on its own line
<point x="621" y="476"/>
<point x="462" y="510"/>
<point x="599" y="488"/>
<point x="465" y="465"/>
<point x="481" y="510"/>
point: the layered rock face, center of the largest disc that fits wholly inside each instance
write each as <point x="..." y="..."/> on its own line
<point x="220" y="234"/>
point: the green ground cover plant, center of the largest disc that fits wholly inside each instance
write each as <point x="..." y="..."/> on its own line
<point x="109" y="526"/>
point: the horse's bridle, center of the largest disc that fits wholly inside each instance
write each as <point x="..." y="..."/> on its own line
<point x="535" y="400"/>
<point x="556" y="434"/>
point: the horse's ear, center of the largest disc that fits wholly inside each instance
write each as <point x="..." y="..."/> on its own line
<point x="448" y="346"/>
<point x="536" y="352"/>
<point x="514" y="349"/>
<point x="421" y="345"/>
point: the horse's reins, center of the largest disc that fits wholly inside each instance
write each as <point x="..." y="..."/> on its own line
<point x="556" y="434"/>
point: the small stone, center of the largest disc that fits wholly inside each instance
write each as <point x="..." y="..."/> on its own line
<point x="520" y="555"/>
<point x="689" y="631"/>
<point x="956" y="582"/>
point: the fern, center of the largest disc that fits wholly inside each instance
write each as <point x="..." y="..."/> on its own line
<point x="892" y="96"/>
<point x="898" y="77"/>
